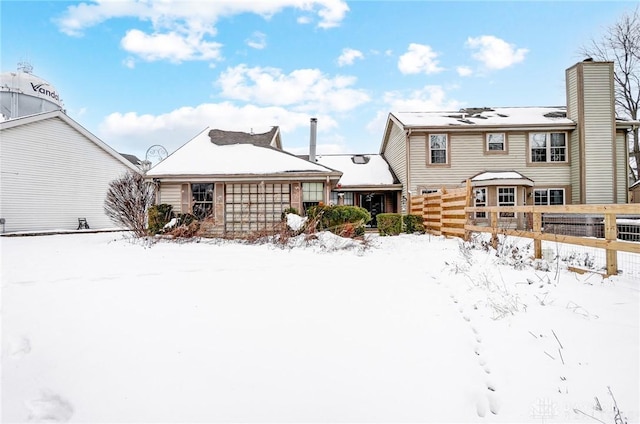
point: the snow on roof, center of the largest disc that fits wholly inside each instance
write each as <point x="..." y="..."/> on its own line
<point x="375" y="170"/>
<point x="501" y="175"/>
<point x="200" y="156"/>
<point x="503" y="116"/>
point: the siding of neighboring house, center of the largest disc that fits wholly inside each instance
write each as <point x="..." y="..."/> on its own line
<point x="395" y="154"/>
<point x="52" y="175"/>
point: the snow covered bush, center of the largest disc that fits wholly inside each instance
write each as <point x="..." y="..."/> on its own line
<point x="128" y="200"/>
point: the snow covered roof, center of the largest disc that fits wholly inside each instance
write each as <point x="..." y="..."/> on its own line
<point x="499" y="178"/>
<point x="200" y="156"/>
<point x="502" y="116"/>
<point x="359" y="170"/>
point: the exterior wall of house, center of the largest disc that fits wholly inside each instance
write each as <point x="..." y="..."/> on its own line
<point x="591" y="103"/>
<point x="395" y="154"/>
<point x="467" y="157"/>
<point x="171" y="195"/>
<point x="635" y="194"/>
<point x="52" y="175"/>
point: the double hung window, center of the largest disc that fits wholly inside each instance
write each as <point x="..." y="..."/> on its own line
<point x="507" y="197"/>
<point x="438" y="149"/>
<point x="548" y="147"/>
<point x="496" y="142"/>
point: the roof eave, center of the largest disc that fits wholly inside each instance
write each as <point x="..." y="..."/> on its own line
<point x="280" y="176"/>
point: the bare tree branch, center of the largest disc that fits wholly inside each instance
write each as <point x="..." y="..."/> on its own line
<point x="128" y="200"/>
<point x="620" y="44"/>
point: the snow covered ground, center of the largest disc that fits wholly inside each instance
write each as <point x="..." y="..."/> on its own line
<point x="103" y="328"/>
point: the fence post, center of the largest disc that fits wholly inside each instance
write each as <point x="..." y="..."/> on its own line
<point x="467" y="234"/>
<point x="611" y="233"/>
<point x="537" y="229"/>
<point x="494" y="227"/>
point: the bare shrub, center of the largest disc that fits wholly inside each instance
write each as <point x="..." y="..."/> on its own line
<point x="128" y="200"/>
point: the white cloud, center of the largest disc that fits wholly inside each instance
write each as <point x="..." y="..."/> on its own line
<point x="133" y="132"/>
<point x="418" y="59"/>
<point x="495" y="53"/>
<point x="302" y="89"/>
<point x="348" y="56"/>
<point x="464" y="71"/>
<point x="169" y="46"/>
<point x="332" y="12"/>
<point x="129" y="62"/>
<point x="193" y="14"/>
<point x="257" y="41"/>
<point x="427" y="99"/>
<point x="183" y="29"/>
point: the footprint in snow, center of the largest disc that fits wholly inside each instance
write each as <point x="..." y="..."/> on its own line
<point x="49" y="408"/>
<point x="19" y="347"/>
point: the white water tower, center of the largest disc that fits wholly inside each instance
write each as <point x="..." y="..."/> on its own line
<point x="22" y="93"/>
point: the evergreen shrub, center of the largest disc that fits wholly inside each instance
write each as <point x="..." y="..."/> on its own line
<point x="413" y="224"/>
<point x="389" y="224"/>
<point x="159" y="216"/>
<point x="346" y="221"/>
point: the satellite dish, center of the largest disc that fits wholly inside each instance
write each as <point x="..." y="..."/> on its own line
<point x="156" y="153"/>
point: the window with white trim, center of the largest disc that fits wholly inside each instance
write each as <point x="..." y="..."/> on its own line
<point x="548" y="147"/>
<point x="507" y="197"/>
<point x="480" y="200"/>
<point x="496" y="142"/>
<point x="438" y="146"/>
<point x="548" y="196"/>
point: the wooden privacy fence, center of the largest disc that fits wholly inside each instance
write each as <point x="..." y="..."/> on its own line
<point x="449" y="213"/>
<point x="443" y="213"/>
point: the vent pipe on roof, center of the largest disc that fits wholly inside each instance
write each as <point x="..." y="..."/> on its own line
<point x="312" y="140"/>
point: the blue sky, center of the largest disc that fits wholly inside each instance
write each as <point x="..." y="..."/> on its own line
<point x="139" y="73"/>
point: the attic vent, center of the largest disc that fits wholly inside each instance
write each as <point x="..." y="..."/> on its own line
<point x="478" y="116"/>
<point x="557" y="114"/>
<point x="456" y="116"/>
<point x="466" y="121"/>
<point x="502" y="115"/>
<point x="360" y="159"/>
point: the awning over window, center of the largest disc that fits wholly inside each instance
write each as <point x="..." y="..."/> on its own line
<point x="494" y="178"/>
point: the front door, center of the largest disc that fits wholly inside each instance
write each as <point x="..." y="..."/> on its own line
<point x="374" y="203"/>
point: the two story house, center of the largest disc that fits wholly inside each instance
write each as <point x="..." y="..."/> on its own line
<point x="519" y="155"/>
